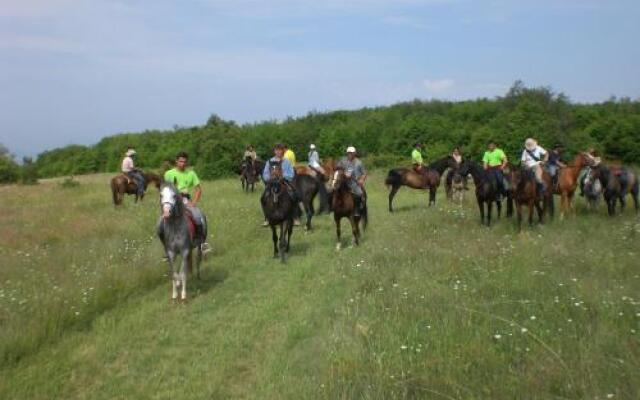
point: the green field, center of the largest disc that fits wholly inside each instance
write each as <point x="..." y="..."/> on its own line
<point x="431" y="305"/>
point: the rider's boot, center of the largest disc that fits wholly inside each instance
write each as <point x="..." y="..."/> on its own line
<point x="358" y="205"/>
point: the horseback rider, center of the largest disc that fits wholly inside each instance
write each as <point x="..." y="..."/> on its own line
<point x="416" y="157"/>
<point x="533" y="157"/>
<point x="494" y="161"/>
<point x="250" y="152"/>
<point x="288" y="173"/>
<point x="314" y="160"/>
<point x="129" y="169"/>
<point x="456" y="154"/>
<point x="356" y="175"/>
<point x="186" y="181"/>
<point x="290" y="156"/>
<point x="593" y="160"/>
<point x="555" y="163"/>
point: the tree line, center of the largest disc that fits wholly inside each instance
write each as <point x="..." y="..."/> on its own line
<point x="383" y="135"/>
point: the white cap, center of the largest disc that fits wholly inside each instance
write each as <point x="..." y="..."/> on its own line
<point x="351" y="149"/>
<point x="312" y="146"/>
<point x="530" y="144"/>
<point x="130" y="152"/>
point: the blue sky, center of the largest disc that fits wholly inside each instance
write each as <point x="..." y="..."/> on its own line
<point x="73" y="71"/>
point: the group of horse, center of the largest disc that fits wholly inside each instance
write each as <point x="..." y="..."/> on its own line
<point x="613" y="183"/>
<point x="281" y="200"/>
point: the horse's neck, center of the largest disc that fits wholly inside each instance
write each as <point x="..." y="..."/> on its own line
<point x="477" y="173"/>
<point x="439" y="165"/>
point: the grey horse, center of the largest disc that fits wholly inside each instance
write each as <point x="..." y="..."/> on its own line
<point x="176" y="237"/>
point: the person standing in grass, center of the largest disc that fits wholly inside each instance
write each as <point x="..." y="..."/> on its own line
<point x="188" y="184"/>
<point x="494" y="161"/>
<point x="416" y="157"/>
<point x="130" y="170"/>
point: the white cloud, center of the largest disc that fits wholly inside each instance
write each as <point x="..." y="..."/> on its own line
<point x="438" y="86"/>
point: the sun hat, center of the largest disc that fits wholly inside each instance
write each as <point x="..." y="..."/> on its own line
<point x="131" y="152"/>
<point x="530" y="144"/>
<point x="351" y="149"/>
<point x="312" y="146"/>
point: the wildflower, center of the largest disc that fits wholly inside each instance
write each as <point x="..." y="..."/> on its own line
<point x="403" y="347"/>
<point x="497" y="336"/>
<point x="533" y="318"/>
<point x="524" y="330"/>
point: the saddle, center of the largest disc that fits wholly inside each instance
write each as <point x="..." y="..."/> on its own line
<point x="129" y="180"/>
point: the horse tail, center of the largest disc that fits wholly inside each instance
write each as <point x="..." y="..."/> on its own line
<point x="394" y="178"/>
<point x="114" y="191"/>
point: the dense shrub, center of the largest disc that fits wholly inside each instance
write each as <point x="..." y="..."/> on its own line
<point x="382" y="134"/>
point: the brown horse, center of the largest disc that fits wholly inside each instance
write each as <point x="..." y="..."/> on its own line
<point x="121" y="184"/>
<point x="329" y="166"/>
<point x="343" y="206"/>
<point x="427" y="178"/>
<point x="568" y="181"/>
<point x="526" y="193"/>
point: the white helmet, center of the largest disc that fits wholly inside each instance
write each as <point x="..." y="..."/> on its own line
<point x="351" y="149"/>
<point x="530" y="144"/>
<point x="312" y="146"/>
<point x="130" y="152"/>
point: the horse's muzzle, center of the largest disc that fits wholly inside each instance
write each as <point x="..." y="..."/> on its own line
<point x="166" y="210"/>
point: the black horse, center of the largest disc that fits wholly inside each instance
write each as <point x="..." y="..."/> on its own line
<point x="616" y="182"/>
<point x="307" y="188"/>
<point x="279" y="206"/>
<point x="487" y="189"/>
<point x="428" y="178"/>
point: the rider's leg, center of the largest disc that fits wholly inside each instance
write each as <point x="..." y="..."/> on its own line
<point x="356" y="190"/>
<point x="139" y="180"/>
<point x="201" y="226"/>
<point x="539" y="180"/>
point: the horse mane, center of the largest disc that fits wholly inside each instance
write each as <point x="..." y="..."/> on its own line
<point x="441" y="164"/>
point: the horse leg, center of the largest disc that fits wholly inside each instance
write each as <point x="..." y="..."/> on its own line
<point x="481" y="207"/>
<point x="489" y="209"/>
<point x="499" y="208"/>
<point x="392" y="193"/>
<point x="530" y="206"/>
<point x="198" y="261"/>
<point x="186" y="260"/>
<point x="355" y="222"/>
<point x="289" y="232"/>
<point x="309" y="211"/>
<point x="174" y="283"/>
<point x="509" y="205"/>
<point x="283" y="241"/>
<point x="623" y="203"/>
<point x="274" y="237"/>
<point x="338" y="233"/>
<point x="519" y="212"/>
<point x="432" y="195"/>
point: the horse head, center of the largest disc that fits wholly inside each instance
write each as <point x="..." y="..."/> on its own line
<point x="171" y="201"/>
<point x="339" y="178"/>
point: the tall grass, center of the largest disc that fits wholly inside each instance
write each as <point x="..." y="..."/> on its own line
<point x="431" y="305"/>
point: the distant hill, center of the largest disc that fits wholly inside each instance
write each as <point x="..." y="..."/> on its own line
<point x="382" y="134"/>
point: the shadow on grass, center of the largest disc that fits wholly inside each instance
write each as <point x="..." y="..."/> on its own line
<point x="210" y="279"/>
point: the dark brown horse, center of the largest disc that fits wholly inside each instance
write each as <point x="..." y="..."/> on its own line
<point x="617" y="182"/>
<point x="279" y="207"/>
<point x="250" y="173"/>
<point x="121" y="184"/>
<point x="343" y="206"/>
<point x="427" y="178"/>
<point x="526" y="194"/>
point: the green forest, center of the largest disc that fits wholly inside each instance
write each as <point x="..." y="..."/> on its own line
<point x="383" y="135"/>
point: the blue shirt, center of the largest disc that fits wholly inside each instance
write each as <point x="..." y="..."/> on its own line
<point x="287" y="169"/>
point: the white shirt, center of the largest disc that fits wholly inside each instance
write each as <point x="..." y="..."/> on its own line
<point x="529" y="161"/>
<point x="127" y="165"/>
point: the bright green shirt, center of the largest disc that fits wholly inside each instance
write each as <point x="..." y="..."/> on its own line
<point x="416" y="156"/>
<point x="494" y="158"/>
<point x="184" y="180"/>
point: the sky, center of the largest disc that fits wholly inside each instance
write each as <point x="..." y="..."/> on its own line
<point x="74" y="71"/>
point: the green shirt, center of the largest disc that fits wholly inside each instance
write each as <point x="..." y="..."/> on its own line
<point x="416" y="156"/>
<point x="184" y="180"/>
<point x="494" y="158"/>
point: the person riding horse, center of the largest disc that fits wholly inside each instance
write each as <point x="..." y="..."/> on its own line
<point x="555" y="163"/>
<point x="314" y="161"/>
<point x="357" y="175"/>
<point x="290" y="156"/>
<point x="186" y="181"/>
<point x="288" y="173"/>
<point x="416" y="157"/>
<point x="129" y="169"/>
<point x="494" y="161"/>
<point x="593" y="160"/>
<point x="533" y="157"/>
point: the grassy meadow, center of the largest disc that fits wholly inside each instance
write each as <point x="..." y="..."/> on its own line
<point x="431" y="305"/>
